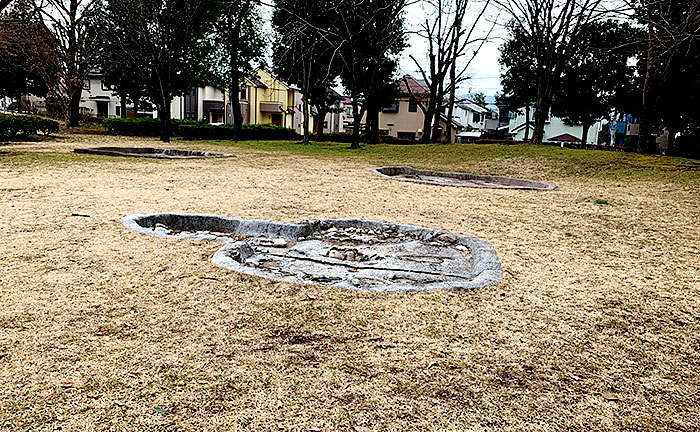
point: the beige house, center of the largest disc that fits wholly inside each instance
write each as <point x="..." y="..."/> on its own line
<point x="404" y="119"/>
<point x="267" y="100"/>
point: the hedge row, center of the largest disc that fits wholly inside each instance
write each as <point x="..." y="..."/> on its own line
<point x="345" y="137"/>
<point x="141" y="126"/>
<point x="195" y="130"/>
<point x="267" y="132"/>
<point x="21" y="126"/>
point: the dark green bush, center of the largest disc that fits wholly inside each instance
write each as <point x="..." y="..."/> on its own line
<point x="346" y="137"/>
<point x="203" y="131"/>
<point x="22" y="127"/>
<point x="142" y="126"/>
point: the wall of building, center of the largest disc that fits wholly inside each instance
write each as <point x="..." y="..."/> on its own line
<point x="553" y="128"/>
<point x="96" y="93"/>
<point x="403" y="122"/>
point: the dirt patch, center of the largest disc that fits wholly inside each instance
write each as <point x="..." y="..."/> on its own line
<point x="459" y="179"/>
<point x="150" y="152"/>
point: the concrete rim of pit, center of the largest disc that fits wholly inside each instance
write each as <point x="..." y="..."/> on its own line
<point x="493" y="182"/>
<point x="486" y="268"/>
<point x="150" y="152"/>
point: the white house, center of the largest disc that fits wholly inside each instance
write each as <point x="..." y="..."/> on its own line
<point x="473" y="116"/>
<point x="554" y="130"/>
<point x="341" y="120"/>
<point x="99" y="99"/>
<point x="201" y="103"/>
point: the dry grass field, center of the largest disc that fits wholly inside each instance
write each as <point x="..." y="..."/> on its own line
<point x="596" y="326"/>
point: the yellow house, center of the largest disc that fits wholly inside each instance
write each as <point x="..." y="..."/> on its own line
<point x="267" y="100"/>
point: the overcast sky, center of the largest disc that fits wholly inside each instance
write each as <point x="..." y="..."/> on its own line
<point x="484" y="70"/>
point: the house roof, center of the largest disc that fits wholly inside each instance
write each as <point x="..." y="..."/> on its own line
<point x="471" y="106"/>
<point x="257" y="82"/>
<point x="564" y="138"/>
<point x="410" y="85"/>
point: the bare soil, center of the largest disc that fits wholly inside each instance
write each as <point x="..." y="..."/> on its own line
<point x="595" y="327"/>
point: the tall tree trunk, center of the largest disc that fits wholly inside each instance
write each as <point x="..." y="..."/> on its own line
<point x="123" y="99"/>
<point x="235" y="97"/>
<point x="435" y="134"/>
<point x="450" y="109"/>
<point x="527" y="123"/>
<point x="648" y="119"/>
<point x="541" y="114"/>
<point x="672" y="149"/>
<point x="136" y="99"/>
<point x="357" y="119"/>
<point x="73" y="119"/>
<point x="235" y="85"/>
<point x="165" y="122"/>
<point x="322" y="118"/>
<point x="372" y="132"/>
<point x="544" y="101"/>
<point x="427" y="124"/>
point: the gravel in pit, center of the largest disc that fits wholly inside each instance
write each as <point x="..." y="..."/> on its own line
<point x="348" y="253"/>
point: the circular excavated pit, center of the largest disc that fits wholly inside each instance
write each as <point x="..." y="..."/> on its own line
<point x="349" y="253"/>
<point x="459" y="179"/>
<point x="150" y="152"/>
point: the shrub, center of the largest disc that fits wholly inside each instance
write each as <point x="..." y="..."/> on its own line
<point x="21" y="127"/>
<point x="203" y="131"/>
<point x="142" y="126"/>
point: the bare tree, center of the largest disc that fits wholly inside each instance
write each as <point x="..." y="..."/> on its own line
<point x="451" y="47"/>
<point x="551" y="26"/>
<point x="673" y="28"/>
<point x="69" y="25"/>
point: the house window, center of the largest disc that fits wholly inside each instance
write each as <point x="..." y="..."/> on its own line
<point x="244" y="93"/>
<point x="477" y="118"/>
<point x="106" y="87"/>
<point x="413" y="106"/>
<point x="393" y="108"/>
<point x="349" y="111"/>
<point x="406" y="135"/>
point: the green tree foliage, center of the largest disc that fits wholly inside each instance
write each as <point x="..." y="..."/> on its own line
<point x="549" y="29"/>
<point x="518" y="74"/>
<point x="166" y="43"/>
<point x="673" y="36"/>
<point x="479" y="99"/>
<point x="371" y="34"/>
<point x="304" y="53"/>
<point x="599" y="75"/>
<point x="239" y="42"/>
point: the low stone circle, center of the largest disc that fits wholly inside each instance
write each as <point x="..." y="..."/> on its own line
<point x="349" y="253"/>
<point x="459" y="179"/>
<point x="150" y="152"/>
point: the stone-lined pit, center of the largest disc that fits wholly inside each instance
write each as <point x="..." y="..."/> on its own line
<point x="150" y="152"/>
<point x="459" y="179"/>
<point x="348" y="253"/>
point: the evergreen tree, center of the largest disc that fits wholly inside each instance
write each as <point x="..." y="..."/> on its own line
<point x="304" y="54"/>
<point x="599" y="76"/>
<point x="239" y="42"/>
<point x="167" y="44"/>
<point x="518" y="74"/>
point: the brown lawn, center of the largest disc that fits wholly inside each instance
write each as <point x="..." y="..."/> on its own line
<point x="595" y="327"/>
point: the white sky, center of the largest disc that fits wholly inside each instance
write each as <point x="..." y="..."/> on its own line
<point x="484" y="70"/>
